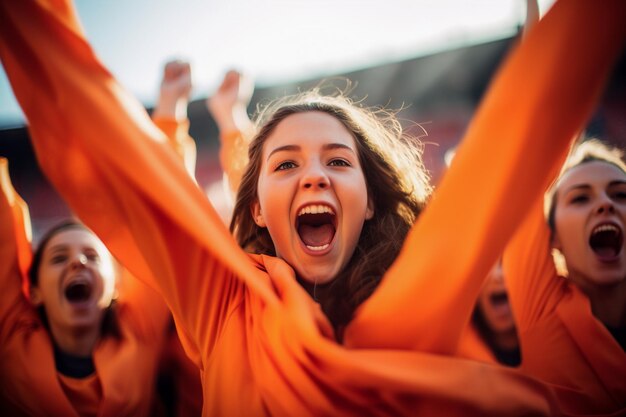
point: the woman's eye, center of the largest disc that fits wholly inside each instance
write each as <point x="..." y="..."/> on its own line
<point x="58" y="259"/>
<point x="579" y="199"/>
<point x="285" y="165"/>
<point x="619" y="195"/>
<point x="339" y="163"/>
<point x="92" y="257"/>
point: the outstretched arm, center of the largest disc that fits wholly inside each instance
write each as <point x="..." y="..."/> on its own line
<point x="532" y="16"/>
<point x="532" y="279"/>
<point x="99" y="148"/>
<point x="541" y="97"/>
<point x="15" y="252"/>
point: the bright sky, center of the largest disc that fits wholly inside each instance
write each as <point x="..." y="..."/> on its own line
<point x="275" y="41"/>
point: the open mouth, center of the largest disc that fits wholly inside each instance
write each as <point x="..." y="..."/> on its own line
<point x="500" y="304"/>
<point x="316" y="226"/>
<point x="606" y="240"/>
<point x="499" y="299"/>
<point x="77" y="292"/>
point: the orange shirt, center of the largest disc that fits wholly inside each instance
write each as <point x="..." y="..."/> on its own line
<point x="234" y="156"/>
<point x="561" y="341"/>
<point x="177" y="133"/>
<point x="123" y="383"/>
<point x="83" y="393"/>
<point x="263" y="345"/>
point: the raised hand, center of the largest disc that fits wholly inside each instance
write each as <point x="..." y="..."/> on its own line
<point x="175" y="90"/>
<point x="228" y="105"/>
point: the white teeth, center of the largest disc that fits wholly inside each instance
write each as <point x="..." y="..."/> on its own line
<point x="606" y="228"/>
<point x="79" y="279"/>
<point x="317" y="248"/>
<point x="315" y="209"/>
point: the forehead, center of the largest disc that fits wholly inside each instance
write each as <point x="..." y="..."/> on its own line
<point x="591" y="173"/>
<point x="309" y="129"/>
<point x="75" y="238"/>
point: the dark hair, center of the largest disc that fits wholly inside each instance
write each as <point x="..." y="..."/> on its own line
<point x="397" y="184"/>
<point x="591" y="150"/>
<point x="110" y="324"/>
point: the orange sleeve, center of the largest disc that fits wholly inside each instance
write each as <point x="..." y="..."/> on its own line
<point x="539" y="100"/>
<point x="99" y="148"/>
<point x="177" y="133"/>
<point x="233" y="157"/>
<point x="15" y="252"/>
<point x="532" y="281"/>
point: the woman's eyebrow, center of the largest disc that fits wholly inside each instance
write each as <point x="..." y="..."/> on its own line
<point x="577" y="187"/>
<point x="284" y="148"/>
<point x="587" y="186"/>
<point x="57" y="248"/>
<point x="331" y="146"/>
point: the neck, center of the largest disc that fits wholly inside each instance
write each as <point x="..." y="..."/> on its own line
<point x="78" y="342"/>
<point x="608" y="303"/>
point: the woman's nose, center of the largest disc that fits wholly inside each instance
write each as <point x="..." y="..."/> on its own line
<point x="605" y="205"/>
<point x="497" y="272"/>
<point x="315" y="177"/>
<point x="79" y="260"/>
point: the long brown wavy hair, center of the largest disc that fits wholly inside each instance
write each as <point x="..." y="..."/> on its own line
<point x="397" y="184"/>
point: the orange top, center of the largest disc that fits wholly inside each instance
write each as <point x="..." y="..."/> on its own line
<point x="177" y="133"/>
<point x="83" y="393"/>
<point x="561" y="341"/>
<point x="123" y="383"/>
<point x="234" y="156"/>
<point x="263" y="345"/>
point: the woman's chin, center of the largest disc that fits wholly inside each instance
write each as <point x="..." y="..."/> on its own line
<point x="318" y="275"/>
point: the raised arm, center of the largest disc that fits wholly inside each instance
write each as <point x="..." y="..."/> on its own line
<point x="534" y="286"/>
<point x="15" y="253"/>
<point x="170" y="112"/>
<point x="540" y="98"/>
<point x="99" y="148"/>
<point x="228" y="106"/>
<point x="532" y="16"/>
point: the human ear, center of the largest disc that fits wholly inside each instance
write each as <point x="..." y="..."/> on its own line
<point x="257" y="215"/>
<point x="560" y="263"/>
<point x="369" y="211"/>
<point x="116" y="289"/>
<point x="35" y="296"/>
